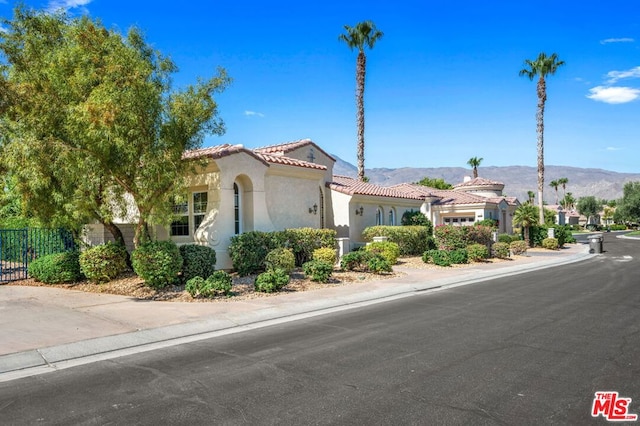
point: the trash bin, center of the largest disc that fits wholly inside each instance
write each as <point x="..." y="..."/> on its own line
<point x="595" y="244"/>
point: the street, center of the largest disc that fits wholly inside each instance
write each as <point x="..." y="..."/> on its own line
<point x="525" y="349"/>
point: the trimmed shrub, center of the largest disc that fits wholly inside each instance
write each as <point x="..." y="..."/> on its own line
<point x="303" y="241"/>
<point x="449" y="237"/>
<point x="197" y="261"/>
<point x="500" y="250"/>
<point x="326" y="254"/>
<point x="354" y="260"/>
<point x="158" y="263"/>
<point x="390" y="251"/>
<point x="271" y="281"/>
<point x="416" y="218"/>
<point x="56" y="268"/>
<point x="491" y="223"/>
<point x="318" y="270"/>
<point x="411" y="240"/>
<point x="459" y="256"/>
<point x="480" y="234"/>
<point x="505" y="238"/>
<point x="477" y="252"/>
<point x="437" y="257"/>
<point x="218" y="282"/>
<point x="550" y="243"/>
<point x="248" y="251"/>
<point x="104" y="262"/>
<point x="378" y="264"/>
<point x="518" y="247"/>
<point x="280" y="258"/>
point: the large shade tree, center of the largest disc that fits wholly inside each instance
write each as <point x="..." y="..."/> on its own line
<point x="541" y="67"/>
<point x="362" y="35"/>
<point x="92" y="129"/>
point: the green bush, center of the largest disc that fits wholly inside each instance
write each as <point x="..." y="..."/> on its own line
<point x="318" y="270"/>
<point x="271" y="281"/>
<point x="158" y="263"/>
<point x="411" y="240"/>
<point x="459" y="256"/>
<point x="390" y="251"/>
<point x="518" y="247"/>
<point x="617" y="227"/>
<point x="56" y="268"/>
<point x="280" y="258"/>
<point x="477" y="252"/>
<point x="197" y="261"/>
<point x="104" y="262"/>
<point x="437" y="257"/>
<point x="248" y="251"/>
<point x="378" y="264"/>
<point x="500" y="250"/>
<point x="217" y="282"/>
<point x="416" y="218"/>
<point x="491" y="223"/>
<point x="326" y="254"/>
<point x="303" y="241"/>
<point x="354" y="260"/>
<point x="505" y="238"/>
<point x="449" y="237"/>
<point x="480" y="234"/>
<point x="550" y="243"/>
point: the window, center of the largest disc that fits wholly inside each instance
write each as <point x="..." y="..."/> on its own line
<point x="379" y="216"/>
<point x="392" y="217"/>
<point x="236" y="208"/>
<point x="180" y="225"/>
<point x="199" y="208"/>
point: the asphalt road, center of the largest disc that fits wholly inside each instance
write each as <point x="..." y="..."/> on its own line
<point x="527" y="349"/>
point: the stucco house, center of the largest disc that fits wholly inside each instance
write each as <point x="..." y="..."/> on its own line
<point x="292" y="185"/>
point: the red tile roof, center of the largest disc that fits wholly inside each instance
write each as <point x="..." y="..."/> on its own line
<point x="284" y="148"/>
<point x="287" y="161"/>
<point x="351" y="186"/>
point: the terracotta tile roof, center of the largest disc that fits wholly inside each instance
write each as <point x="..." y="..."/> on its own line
<point x="277" y="159"/>
<point x="284" y="148"/>
<point x="417" y="190"/>
<point x="512" y="201"/>
<point x="449" y="196"/>
<point x="351" y="186"/>
<point x="479" y="182"/>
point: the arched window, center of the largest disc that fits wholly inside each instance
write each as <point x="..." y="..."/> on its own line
<point x="379" y="216"/>
<point x="237" y="216"/>
<point x="392" y="216"/>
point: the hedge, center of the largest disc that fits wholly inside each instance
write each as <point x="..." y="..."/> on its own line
<point x="411" y="240"/>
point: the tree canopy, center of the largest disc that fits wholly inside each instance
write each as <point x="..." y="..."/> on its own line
<point x="91" y="127"/>
<point x="589" y="207"/>
<point x="628" y="207"/>
<point x="437" y="183"/>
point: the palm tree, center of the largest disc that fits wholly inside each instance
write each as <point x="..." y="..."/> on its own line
<point x="568" y="201"/>
<point x="542" y="66"/>
<point x="474" y="162"/>
<point x="531" y="195"/>
<point x="526" y="215"/>
<point x="363" y="34"/>
<point x="563" y="183"/>
<point x="554" y="184"/>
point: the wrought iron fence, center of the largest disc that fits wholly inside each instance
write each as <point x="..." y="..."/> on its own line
<point x="20" y="246"/>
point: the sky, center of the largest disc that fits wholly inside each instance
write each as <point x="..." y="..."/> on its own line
<point x="442" y="85"/>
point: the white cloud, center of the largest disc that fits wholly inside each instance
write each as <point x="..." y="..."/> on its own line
<point x="617" y="40"/>
<point x="614" y="76"/>
<point x="253" y="113"/>
<point x="55" y="5"/>
<point x="612" y="148"/>
<point x="614" y="95"/>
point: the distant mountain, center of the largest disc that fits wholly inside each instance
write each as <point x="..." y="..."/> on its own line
<point x="518" y="180"/>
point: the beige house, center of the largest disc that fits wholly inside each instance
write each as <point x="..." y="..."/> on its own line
<point x="292" y="185"/>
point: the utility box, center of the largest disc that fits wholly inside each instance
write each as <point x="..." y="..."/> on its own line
<point x="595" y="244"/>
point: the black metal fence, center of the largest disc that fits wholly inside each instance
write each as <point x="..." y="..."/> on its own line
<point x="20" y="246"/>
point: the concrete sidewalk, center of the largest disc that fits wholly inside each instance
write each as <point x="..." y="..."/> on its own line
<point x="45" y="329"/>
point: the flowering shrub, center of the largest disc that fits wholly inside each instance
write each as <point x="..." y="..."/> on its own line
<point x="501" y="250"/>
<point x="518" y="247"/>
<point x="449" y="237"/>
<point x="477" y="252"/>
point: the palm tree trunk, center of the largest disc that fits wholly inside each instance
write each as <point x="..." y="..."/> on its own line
<point x="360" y="74"/>
<point x="542" y="98"/>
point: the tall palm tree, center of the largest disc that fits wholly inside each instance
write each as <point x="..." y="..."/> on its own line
<point x="474" y="162"/>
<point x="563" y="183"/>
<point x="364" y="34"/>
<point x="542" y="66"/>
<point x="554" y="184"/>
<point x="526" y="216"/>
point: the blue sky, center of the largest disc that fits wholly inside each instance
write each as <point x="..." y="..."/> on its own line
<point x="442" y="84"/>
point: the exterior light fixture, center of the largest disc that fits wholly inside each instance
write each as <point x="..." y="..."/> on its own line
<point x="359" y="211"/>
<point x="313" y="209"/>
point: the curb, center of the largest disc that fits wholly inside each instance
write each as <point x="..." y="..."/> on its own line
<point x="53" y="358"/>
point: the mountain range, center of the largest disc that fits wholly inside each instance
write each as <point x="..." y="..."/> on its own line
<point x="518" y="180"/>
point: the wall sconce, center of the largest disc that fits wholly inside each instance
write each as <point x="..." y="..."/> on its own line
<point x="359" y="211"/>
<point x="313" y="209"/>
